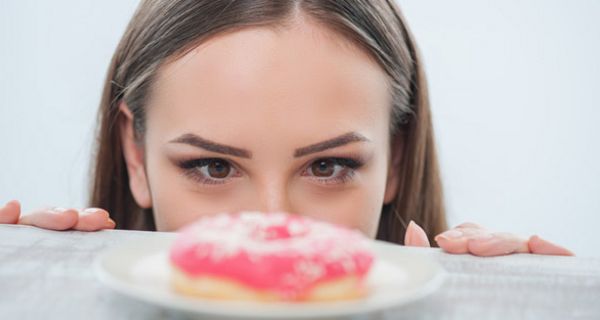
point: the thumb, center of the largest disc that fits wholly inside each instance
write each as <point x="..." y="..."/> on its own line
<point x="540" y="246"/>
<point x="10" y="212"/>
<point x="415" y="236"/>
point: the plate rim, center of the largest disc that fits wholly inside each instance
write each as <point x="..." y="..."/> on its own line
<point x="218" y="308"/>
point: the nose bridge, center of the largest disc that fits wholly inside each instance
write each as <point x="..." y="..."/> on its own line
<point x="273" y="195"/>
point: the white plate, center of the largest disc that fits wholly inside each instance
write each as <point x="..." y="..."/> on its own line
<point x="140" y="270"/>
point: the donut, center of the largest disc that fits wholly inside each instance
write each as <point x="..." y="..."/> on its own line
<point x="269" y="257"/>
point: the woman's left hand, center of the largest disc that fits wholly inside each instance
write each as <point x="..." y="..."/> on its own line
<point x="474" y="239"/>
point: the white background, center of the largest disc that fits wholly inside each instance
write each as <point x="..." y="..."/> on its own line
<point x="514" y="86"/>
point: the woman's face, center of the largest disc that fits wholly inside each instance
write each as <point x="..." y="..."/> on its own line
<point x="292" y="120"/>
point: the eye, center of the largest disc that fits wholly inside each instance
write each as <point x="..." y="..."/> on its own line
<point x="323" y="168"/>
<point x="218" y="169"/>
<point x="333" y="170"/>
<point x="209" y="170"/>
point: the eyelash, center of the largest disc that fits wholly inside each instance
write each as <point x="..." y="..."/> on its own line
<point x="191" y="170"/>
<point x="349" y="167"/>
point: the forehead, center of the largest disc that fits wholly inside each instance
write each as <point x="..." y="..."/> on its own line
<point x="304" y="79"/>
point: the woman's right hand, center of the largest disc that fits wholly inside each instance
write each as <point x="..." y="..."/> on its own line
<point x="90" y="219"/>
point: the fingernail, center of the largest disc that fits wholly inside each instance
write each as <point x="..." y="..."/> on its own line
<point x="111" y="223"/>
<point x="451" y="234"/>
<point x="91" y="210"/>
<point x="482" y="236"/>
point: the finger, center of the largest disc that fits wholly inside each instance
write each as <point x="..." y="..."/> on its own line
<point x="53" y="219"/>
<point x="452" y="241"/>
<point x="9" y="214"/>
<point x="415" y="236"/>
<point x="496" y="244"/>
<point x="541" y="246"/>
<point x="470" y="231"/>
<point x="456" y="240"/>
<point x="469" y="225"/>
<point x="93" y="219"/>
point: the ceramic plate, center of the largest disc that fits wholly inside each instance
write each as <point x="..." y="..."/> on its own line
<point x="140" y="270"/>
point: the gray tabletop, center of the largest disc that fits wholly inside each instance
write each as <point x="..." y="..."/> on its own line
<point x="48" y="275"/>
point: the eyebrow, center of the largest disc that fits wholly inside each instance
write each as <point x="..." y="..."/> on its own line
<point x="339" y="141"/>
<point x="196" y="141"/>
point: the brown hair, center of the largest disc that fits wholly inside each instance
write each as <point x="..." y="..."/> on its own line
<point x="161" y="30"/>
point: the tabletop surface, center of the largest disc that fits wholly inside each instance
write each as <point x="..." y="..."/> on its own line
<point x="48" y="275"/>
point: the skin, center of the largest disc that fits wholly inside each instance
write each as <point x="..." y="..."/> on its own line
<point x="249" y="90"/>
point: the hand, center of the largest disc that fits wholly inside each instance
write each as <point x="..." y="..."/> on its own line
<point x="474" y="239"/>
<point x="90" y="219"/>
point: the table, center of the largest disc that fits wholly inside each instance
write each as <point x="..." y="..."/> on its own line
<point x="48" y="275"/>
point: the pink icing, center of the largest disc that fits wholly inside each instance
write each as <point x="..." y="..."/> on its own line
<point x="287" y="254"/>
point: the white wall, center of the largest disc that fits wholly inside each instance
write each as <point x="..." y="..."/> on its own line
<point x="53" y="58"/>
<point x="515" y="92"/>
<point x="514" y="86"/>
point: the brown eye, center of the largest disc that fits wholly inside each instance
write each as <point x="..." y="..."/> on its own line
<point x="323" y="168"/>
<point x="218" y="169"/>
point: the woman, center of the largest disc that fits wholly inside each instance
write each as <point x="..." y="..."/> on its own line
<point x="314" y="107"/>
